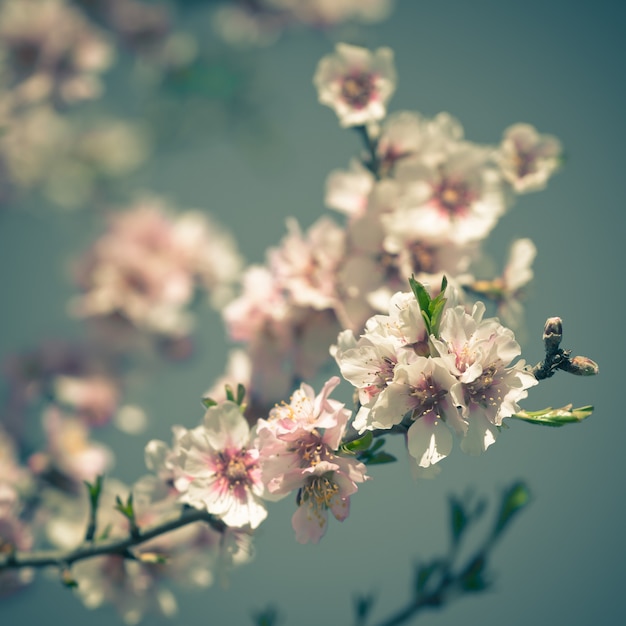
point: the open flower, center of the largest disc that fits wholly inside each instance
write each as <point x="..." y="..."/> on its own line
<point x="221" y="468"/>
<point x="298" y="445"/>
<point x="528" y="159"/>
<point x="356" y="83"/>
<point x="489" y="388"/>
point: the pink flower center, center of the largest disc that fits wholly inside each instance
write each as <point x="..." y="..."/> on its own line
<point x="319" y="492"/>
<point x="358" y="89"/>
<point x="426" y="398"/>
<point x="453" y="197"/>
<point x="485" y="390"/>
<point x="525" y="162"/>
<point x="237" y="468"/>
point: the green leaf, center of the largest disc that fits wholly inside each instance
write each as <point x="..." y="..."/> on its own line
<point x="230" y="394"/>
<point x="378" y="444"/>
<point x="380" y="458"/>
<point x="421" y="294"/>
<point x="444" y="285"/>
<point x="435" y="317"/>
<point x="94" y="491"/>
<point x="363" y="604"/>
<point x="473" y="577"/>
<point x="268" y="617"/>
<point x="458" y="519"/>
<point x="514" y="499"/>
<point x="555" y="417"/>
<point x="424" y="573"/>
<point x="208" y="402"/>
<point x="360" y="444"/>
<point x="241" y="394"/>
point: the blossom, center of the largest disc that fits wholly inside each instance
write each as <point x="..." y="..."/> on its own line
<point x="306" y="267"/>
<point x="356" y="83"/>
<point x="298" y="444"/>
<point x="147" y="265"/>
<point x="70" y="449"/>
<point x="369" y="363"/>
<point x="424" y="388"/>
<point x="457" y="200"/>
<point x="528" y="159"/>
<point x="348" y="191"/>
<point x="14" y="535"/>
<point x="490" y="390"/>
<point x="221" y="468"/>
<point x="517" y="274"/>
<point x="55" y="51"/>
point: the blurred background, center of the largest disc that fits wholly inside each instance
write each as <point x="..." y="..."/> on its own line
<point x="225" y="120"/>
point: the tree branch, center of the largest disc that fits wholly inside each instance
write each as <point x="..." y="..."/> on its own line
<point x="60" y="558"/>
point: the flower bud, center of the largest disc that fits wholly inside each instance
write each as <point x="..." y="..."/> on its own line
<point x="583" y="366"/>
<point x="552" y="333"/>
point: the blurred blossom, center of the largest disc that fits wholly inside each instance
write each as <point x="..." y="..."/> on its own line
<point x="14" y="535"/>
<point x="79" y="378"/>
<point x="148" y="264"/>
<point x="261" y="22"/>
<point x="459" y="199"/>
<point x="356" y="83"/>
<point x="527" y="158"/>
<point x="68" y="160"/>
<point x="69" y="450"/>
<point x="94" y="398"/>
<point x="52" y="51"/>
<point x="131" y="419"/>
<point x="516" y="276"/>
<point x="348" y="191"/>
<point x="15" y="479"/>
<point x="141" y="26"/>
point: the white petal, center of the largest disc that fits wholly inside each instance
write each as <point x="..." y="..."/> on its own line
<point x="429" y="441"/>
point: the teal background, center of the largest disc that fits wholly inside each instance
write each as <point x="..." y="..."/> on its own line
<point x="555" y="64"/>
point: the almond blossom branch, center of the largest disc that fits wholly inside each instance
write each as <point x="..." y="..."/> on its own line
<point x="122" y="547"/>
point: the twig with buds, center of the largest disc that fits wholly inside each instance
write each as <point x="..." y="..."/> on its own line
<point x="558" y="359"/>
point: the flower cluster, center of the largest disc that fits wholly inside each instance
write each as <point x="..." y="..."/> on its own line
<point x="66" y="160"/>
<point x="429" y="364"/>
<point x="261" y="22"/>
<point x="458" y="381"/>
<point x="228" y="469"/>
<point x="419" y="201"/>
<point x="145" y="269"/>
<point x="51" y="51"/>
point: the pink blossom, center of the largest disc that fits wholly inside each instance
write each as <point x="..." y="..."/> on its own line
<point x="56" y="51"/>
<point x="148" y="264"/>
<point x="221" y="468"/>
<point x="298" y="444"/>
<point x="528" y="159"/>
<point x="457" y="200"/>
<point x="70" y="449"/>
<point x="356" y="83"/>
<point x="489" y="388"/>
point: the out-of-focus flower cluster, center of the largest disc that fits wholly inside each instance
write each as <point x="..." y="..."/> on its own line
<point x="68" y="161"/>
<point x="52" y="56"/>
<point x="71" y="389"/>
<point x="419" y="201"/>
<point x="261" y="22"/>
<point x="146" y="268"/>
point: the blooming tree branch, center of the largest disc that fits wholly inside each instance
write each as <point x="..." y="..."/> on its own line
<point x="426" y="361"/>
